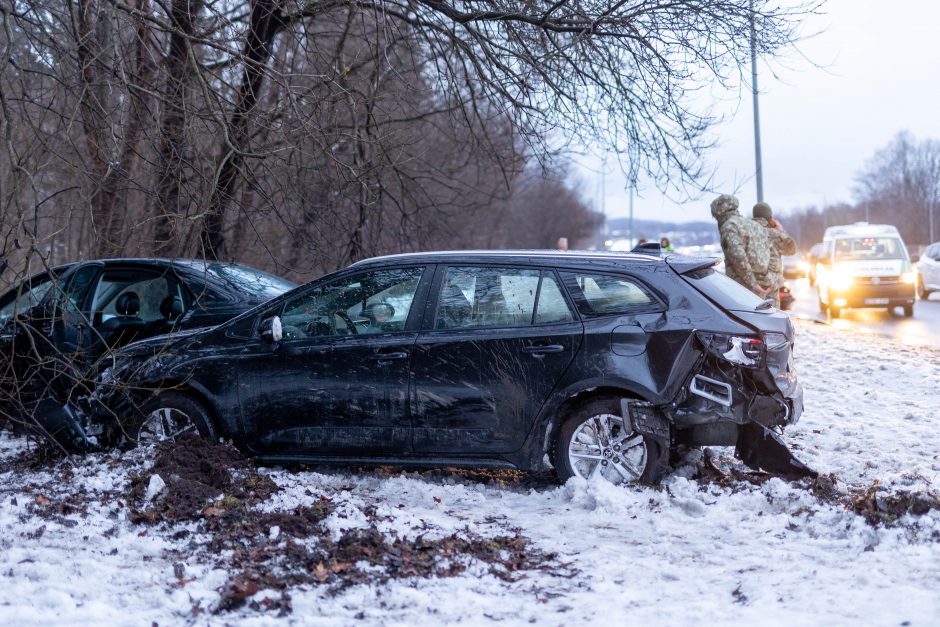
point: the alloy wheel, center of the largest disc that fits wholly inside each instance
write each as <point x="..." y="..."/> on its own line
<point x="165" y="424"/>
<point x="602" y="445"/>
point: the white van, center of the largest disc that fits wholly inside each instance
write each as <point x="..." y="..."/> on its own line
<point x="864" y="265"/>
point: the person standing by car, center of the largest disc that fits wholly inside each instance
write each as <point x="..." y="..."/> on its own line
<point x="665" y="245"/>
<point x="780" y="244"/>
<point x="743" y="242"/>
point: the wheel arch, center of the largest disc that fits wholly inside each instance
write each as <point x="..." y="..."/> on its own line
<point x="566" y="404"/>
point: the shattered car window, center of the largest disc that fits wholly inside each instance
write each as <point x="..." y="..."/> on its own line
<point x="607" y="294"/>
<point x="552" y="306"/>
<point x="487" y="297"/>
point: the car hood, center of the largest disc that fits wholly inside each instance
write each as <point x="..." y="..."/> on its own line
<point x="159" y="342"/>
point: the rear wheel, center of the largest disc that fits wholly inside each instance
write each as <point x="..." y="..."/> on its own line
<point x="908" y="311"/>
<point x="595" y="441"/>
<point x="168" y="416"/>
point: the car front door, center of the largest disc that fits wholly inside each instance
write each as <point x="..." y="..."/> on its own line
<point x="498" y="340"/>
<point x="337" y="382"/>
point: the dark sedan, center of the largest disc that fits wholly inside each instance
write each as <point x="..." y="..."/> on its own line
<point x="58" y="323"/>
<point x="599" y="361"/>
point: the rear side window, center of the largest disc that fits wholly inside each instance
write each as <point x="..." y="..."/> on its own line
<point x="606" y="294"/>
<point x="481" y="297"/>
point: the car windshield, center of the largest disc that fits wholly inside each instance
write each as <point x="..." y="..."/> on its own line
<point x="726" y="292"/>
<point x="253" y="281"/>
<point x="868" y="248"/>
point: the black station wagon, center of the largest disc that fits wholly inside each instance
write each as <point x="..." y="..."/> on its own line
<point x="595" y="363"/>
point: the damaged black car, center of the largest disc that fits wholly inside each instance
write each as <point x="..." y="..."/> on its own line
<point x="597" y="364"/>
<point x="58" y="327"/>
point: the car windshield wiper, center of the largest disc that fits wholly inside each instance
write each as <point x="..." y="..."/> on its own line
<point x="766" y="304"/>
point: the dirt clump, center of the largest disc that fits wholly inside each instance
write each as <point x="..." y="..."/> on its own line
<point x="194" y="471"/>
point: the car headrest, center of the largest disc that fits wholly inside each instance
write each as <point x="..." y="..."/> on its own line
<point x="128" y="304"/>
<point x="171" y="307"/>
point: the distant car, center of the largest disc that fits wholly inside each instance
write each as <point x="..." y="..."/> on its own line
<point x="600" y="361"/>
<point x="794" y="267"/>
<point x="816" y="254"/>
<point x="58" y="322"/>
<point x="864" y="265"/>
<point x="928" y="272"/>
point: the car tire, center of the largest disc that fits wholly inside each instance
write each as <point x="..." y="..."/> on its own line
<point x="168" y="415"/>
<point x="922" y="292"/>
<point x="908" y="311"/>
<point x="835" y="312"/>
<point x="641" y="459"/>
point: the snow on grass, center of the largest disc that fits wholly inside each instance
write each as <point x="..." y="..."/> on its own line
<point x="733" y="551"/>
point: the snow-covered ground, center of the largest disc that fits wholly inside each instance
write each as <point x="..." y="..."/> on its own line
<point x="724" y="550"/>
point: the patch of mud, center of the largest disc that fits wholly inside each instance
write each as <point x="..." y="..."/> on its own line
<point x="219" y="489"/>
<point x="194" y="471"/>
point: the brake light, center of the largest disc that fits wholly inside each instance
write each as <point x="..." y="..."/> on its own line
<point x="745" y="351"/>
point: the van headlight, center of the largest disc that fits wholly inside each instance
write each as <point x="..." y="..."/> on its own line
<point x="840" y="279"/>
<point x="909" y="277"/>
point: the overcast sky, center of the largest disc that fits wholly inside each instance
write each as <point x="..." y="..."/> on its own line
<point x="880" y="75"/>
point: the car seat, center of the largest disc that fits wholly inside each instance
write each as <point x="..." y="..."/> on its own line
<point x="171" y="308"/>
<point x="127" y="325"/>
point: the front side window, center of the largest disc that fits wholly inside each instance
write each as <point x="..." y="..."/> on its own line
<point x="605" y="294"/>
<point x="365" y="303"/>
<point x="31" y="294"/>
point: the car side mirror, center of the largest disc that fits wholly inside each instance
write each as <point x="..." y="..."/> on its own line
<point x="272" y="330"/>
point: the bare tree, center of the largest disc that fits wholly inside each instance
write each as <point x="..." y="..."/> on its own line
<point x="900" y="185"/>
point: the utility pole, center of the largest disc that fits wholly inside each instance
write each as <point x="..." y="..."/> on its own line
<point x="632" y="244"/>
<point x="760" y="169"/>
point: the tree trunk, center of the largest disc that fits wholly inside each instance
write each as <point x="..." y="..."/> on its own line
<point x="171" y="200"/>
<point x="264" y="24"/>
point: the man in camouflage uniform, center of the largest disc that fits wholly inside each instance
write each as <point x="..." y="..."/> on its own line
<point x="744" y="243"/>
<point x="780" y="244"/>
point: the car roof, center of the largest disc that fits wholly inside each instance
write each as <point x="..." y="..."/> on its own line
<point x="682" y="263"/>
<point x="860" y="229"/>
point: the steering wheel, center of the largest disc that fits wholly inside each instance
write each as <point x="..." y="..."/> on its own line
<point x="342" y="315"/>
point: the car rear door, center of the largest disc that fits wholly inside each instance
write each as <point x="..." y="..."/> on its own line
<point x="496" y="341"/>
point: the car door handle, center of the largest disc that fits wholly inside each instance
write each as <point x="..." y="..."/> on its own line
<point x="389" y="356"/>
<point x="541" y="349"/>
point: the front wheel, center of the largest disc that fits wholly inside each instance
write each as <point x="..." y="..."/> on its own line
<point x="922" y="292"/>
<point x="595" y="441"/>
<point x="167" y="416"/>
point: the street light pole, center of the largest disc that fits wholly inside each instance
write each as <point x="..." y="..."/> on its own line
<point x="760" y="169"/>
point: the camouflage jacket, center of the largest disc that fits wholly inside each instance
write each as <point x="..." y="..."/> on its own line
<point x="780" y="244"/>
<point x="746" y="248"/>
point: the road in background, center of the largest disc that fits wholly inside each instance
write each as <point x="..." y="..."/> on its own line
<point x="922" y="330"/>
